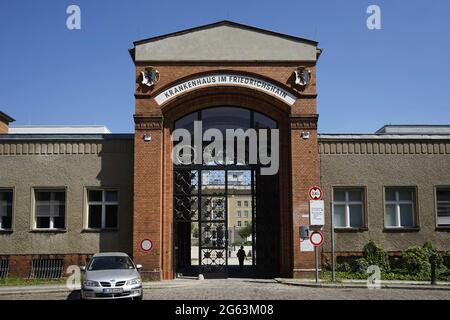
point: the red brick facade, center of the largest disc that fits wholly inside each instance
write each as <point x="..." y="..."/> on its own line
<point x="299" y="164"/>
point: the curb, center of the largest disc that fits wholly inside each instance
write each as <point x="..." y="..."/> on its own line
<point x="363" y="286"/>
<point x="21" y="290"/>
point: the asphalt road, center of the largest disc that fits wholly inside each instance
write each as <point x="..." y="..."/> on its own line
<point x="237" y="289"/>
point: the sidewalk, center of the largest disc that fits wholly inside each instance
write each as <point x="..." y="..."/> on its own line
<point x="362" y="284"/>
<point x="11" y="290"/>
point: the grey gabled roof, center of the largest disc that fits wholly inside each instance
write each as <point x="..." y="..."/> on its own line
<point x="226" y="23"/>
<point x="225" y="41"/>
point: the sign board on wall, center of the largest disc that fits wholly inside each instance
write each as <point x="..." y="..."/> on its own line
<point x="306" y="246"/>
<point x="317" y="212"/>
<point x="225" y="79"/>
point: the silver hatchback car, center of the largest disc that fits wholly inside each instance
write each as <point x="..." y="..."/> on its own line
<point x="111" y="276"/>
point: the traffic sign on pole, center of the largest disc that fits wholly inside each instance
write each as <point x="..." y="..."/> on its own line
<point x="315" y="193"/>
<point x="316" y="238"/>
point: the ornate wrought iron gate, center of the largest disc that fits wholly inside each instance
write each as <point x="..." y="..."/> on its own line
<point x="201" y="219"/>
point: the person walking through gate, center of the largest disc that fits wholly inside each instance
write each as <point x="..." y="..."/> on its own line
<point x="241" y="256"/>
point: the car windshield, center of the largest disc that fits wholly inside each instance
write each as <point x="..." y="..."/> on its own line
<point x="110" y="263"/>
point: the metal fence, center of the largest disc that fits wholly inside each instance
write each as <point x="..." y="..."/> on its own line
<point x="4" y="266"/>
<point x="46" y="268"/>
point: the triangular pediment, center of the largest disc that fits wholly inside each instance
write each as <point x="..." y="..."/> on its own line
<point x="225" y="41"/>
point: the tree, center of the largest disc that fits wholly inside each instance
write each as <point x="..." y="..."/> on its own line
<point x="246" y="231"/>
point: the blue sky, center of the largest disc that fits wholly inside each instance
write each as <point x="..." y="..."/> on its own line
<point x="398" y="75"/>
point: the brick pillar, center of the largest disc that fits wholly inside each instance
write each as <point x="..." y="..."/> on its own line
<point x="305" y="173"/>
<point x="148" y="193"/>
<point x="20" y="266"/>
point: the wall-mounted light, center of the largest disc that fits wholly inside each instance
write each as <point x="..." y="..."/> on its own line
<point x="147" y="137"/>
<point x="304" y="135"/>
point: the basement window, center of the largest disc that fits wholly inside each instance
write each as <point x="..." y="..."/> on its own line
<point x="6" y="208"/>
<point x="443" y="207"/>
<point x="103" y="207"/>
<point x="4" y="267"/>
<point x="46" y="268"/>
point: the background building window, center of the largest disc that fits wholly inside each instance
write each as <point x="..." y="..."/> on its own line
<point x="400" y="208"/>
<point x="246" y="223"/>
<point x="239" y="223"/>
<point x="239" y="214"/>
<point x="6" y="205"/>
<point x="348" y="208"/>
<point x="246" y="213"/>
<point x="245" y="203"/>
<point x="50" y="209"/>
<point x="443" y="206"/>
<point x="103" y="208"/>
<point x="239" y="203"/>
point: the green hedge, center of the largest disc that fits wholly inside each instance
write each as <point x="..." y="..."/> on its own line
<point x="413" y="264"/>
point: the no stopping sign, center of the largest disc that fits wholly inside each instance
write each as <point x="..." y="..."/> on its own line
<point x="146" y="245"/>
<point x="316" y="238"/>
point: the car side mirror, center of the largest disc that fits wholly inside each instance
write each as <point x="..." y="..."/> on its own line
<point x="139" y="266"/>
<point x="83" y="268"/>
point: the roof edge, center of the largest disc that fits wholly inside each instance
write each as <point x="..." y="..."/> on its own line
<point x="5" y="117"/>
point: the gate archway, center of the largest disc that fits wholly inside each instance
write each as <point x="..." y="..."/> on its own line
<point x="219" y="207"/>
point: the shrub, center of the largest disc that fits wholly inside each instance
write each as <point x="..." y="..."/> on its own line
<point x="360" y="265"/>
<point x="375" y="255"/>
<point x="416" y="261"/>
<point x="343" y="267"/>
<point x="433" y="254"/>
<point x="446" y="260"/>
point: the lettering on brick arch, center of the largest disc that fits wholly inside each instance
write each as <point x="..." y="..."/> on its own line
<point x="226" y="79"/>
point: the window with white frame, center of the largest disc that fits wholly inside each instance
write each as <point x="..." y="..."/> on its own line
<point x="239" y="213"/>
<point x="348" y="208"/>
<point x="239" y="223"/>
<point x="103" y="207"/>
<point x="239" y="203"/>
<point x="50" y="208"/>
<point x="400" y="211"/>
<point x="245" y="203"/>
<point x="443" y="206"/>
<point x="246" y="214"/>
<point x="6" y="205"/>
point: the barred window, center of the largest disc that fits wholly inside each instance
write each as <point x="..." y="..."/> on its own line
<point x="6" y="207"/>
<point x="443" y="206"/>
<point x="103" y="208"/>
<point x="50" y="209"/>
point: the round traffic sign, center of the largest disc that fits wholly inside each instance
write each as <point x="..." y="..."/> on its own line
<point x="315" y="193"/>
<point x="316" y="238"/>
<point x="146" y="245"/>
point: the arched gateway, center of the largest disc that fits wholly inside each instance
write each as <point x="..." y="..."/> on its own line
<point x="198" y="212"/>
